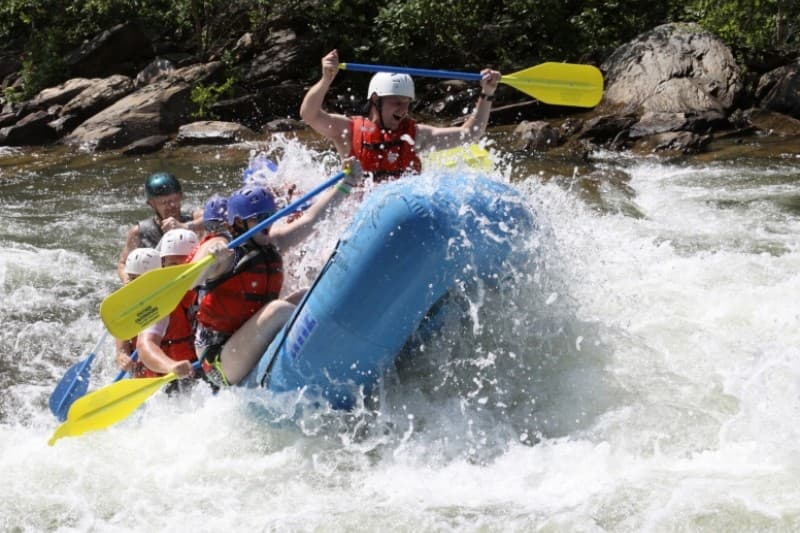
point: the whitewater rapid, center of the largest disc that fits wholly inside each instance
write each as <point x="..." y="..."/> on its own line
<point x="642" y="374"/>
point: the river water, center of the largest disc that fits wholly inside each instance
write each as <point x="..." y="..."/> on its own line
<point x="643" y="374"/>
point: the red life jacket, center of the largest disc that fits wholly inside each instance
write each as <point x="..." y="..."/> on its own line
<point x="178" y="341"/>
<point x="386" y="154"/>
<point x="227" y="302"/>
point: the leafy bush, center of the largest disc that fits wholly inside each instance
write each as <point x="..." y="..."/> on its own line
<point x="204" y="96"/>
<point x="750" y="24"/>
<point x="458" y="35"/>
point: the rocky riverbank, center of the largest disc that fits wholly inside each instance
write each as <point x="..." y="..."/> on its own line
<point x="674" y="90"/>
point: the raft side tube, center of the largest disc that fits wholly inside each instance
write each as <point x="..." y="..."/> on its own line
<point x="410" y="242"/>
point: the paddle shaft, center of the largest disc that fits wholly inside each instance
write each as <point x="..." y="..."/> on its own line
<point x="551" y="83"/>
<point x="430" y="73"/>
<point x="122" y="373"/>
<point x="288" y="210"/>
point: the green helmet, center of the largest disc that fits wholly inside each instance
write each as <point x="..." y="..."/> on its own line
<point x="161" y="184"/>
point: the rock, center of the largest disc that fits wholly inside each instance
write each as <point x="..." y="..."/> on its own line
<point x="32" y="130"/>
<point x="117" y="50"/>
<point x="249" y="109"/>
<point x="773" y="123"/>
<point x="703" y="122"/>
<point x="536" y="136"/>
<point x="607" y="128"/>
<point x="652" y="123"/>
<point x="156" y="109"/>
<point x="213" y="132"/>
<point x="98" y="95"/>
<point x="570" y="126"/>
<point x="283" y="124"/>
<point x="277" y="62"/>
<point x="148" y="145"/>
<point x="779" y="90"/>
<point x="674" y="68"/>
<point x="64" y="124"/>
<point x="8" y="119"/>
<point x="244" y="47"/>
<point x="680" y="142"/>
<point x="60" y="94"/>
<point x="155" y="70"/>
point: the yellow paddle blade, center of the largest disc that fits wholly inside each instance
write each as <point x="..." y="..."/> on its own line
<point x="567" y="84"/>
<point x="471" y="155"/>
<point x="107" y="406"/>
<point x="149" y="298"/>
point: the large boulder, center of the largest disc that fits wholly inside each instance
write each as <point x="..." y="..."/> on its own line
<point x="779" y="90"/>
<point x="772" y="122"/>
<point x="277" y="61"/>
<point x="32" y="130"/>
<point x="213" y="132"/>
<point x="121" y="49"/>
<point x="100" y="94"/>
<point x="674" y="68"/>
<point x="58" y="95"/>
<point x="156" y="109"/>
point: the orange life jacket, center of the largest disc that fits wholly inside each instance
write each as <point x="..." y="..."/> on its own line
<point x="386" y="154"/>
<point x="227" y="302"/>
<point x="178" y="340"/>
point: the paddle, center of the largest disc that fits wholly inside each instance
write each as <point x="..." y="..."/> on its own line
<point x="473" y="156"/>
<point x="566" y="84"/>
<point x="74" y="383"/>
<point x="154" y="294"/>
<point x="109" y="405"/>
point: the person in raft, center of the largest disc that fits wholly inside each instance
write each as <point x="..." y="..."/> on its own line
<point x="164" y="194"/>
<point x="168" y="345"/>
<point x="386" y="140"/>
<point x="138" y="262"/>
<point x="239" y="308"/>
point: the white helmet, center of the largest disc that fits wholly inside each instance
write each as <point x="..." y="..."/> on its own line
<point x="177" y="242"/>
<point x="390" y="84"/>
<point x="142" y="260"/>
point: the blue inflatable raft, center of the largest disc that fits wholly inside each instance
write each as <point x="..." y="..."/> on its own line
<point x="409" y="244"/>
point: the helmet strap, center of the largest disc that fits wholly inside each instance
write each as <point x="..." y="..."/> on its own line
<point x="379" y="108"/>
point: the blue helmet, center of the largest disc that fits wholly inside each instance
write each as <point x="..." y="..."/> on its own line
<point x="258" y="170"/>
<point x="216" y="209"/>
<point x="249" y="202"/>
<point x="161" y="184"/>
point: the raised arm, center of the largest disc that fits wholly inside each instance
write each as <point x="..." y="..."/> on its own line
<point x="335" y="127"/>
<point x="434" y="138"/>
<point x="287" y="235"/>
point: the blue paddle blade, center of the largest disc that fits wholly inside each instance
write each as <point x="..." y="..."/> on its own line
<point x="72" y="386"/>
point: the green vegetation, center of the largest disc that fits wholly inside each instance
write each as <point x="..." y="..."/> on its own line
<point x="508" y="34"/>
<point x="204" y="96"/>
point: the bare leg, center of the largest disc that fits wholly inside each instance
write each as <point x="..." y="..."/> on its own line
<point x="296" y="296"/>
<point x="246" y="346"/>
